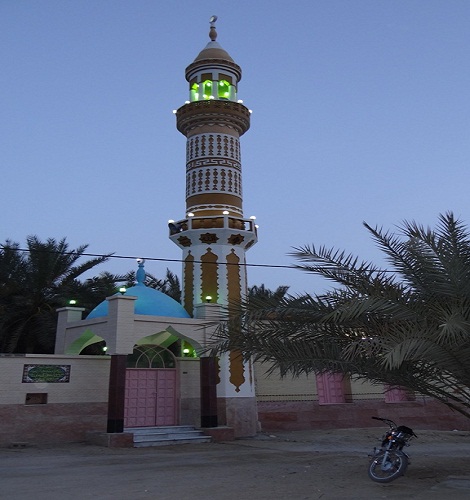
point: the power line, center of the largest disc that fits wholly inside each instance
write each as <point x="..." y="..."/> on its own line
<point x="161" y="259"/>
<point x="158" y="259"/>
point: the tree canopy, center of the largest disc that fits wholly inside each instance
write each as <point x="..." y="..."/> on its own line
<point x="37" y="280"/>
<point x="405" y="326"/>
<point x="45" y="275"/>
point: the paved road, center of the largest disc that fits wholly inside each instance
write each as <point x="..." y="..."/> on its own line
<point x="298" y="465"/>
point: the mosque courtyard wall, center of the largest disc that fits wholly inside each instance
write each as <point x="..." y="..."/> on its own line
<point x="50" y="399"/>
<point x="60" y="398"/>
<point x="301" y="403"/>
<point x="74" y="400"/>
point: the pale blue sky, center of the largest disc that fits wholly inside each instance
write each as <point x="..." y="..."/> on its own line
<point x="361" y="111"/>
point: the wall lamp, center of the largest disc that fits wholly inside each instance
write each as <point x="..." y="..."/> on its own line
<point x="174" y="227"/>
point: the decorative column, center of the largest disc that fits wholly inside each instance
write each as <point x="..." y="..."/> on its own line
<point x="120" y="322"/>
<point x="116" y="392"/>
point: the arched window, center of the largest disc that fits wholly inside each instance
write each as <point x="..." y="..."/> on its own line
<point x="223" y="89"/>
<point x="194" y="92"/>
<point x="212" y="89"/>
<point x="151" y="356"/>
<point x="207" y="90"/>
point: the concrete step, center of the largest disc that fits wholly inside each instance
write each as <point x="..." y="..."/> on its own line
<point x="160" y="436"/>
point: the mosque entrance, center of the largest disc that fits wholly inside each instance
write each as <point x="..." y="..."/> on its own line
<point x="151" y="388"/>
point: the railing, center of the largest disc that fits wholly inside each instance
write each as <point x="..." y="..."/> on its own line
<point x="212" y="222"/>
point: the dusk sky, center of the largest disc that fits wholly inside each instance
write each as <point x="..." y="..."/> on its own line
<point x="361" y="112"/>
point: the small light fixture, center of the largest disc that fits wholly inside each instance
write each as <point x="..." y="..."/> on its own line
<point x="186" y="102"/>
<point x="174" y="228"/>
<point x="122" y="290"/>
<point x="72" y="302"/>
<point x="190" y="214"/>
<point x="208" y="298"/>
<point x="170" y="221"/>
<point x="256" y="225"/>
<point x="185" y="350"/>
<point x="174" y="111"/>
<point x="240" y="101"/>
<point x="225" y="212"/>
<point x="253" y="217"/>
<point x="105" y="348"/>
<point x="250" y="111"/>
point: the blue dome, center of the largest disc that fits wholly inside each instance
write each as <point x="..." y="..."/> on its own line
<point x="149" y="302"/>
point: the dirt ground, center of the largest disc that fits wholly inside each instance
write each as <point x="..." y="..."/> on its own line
<point x="280" y="465"/>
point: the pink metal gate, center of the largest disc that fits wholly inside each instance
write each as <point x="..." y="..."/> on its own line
<point x="330" y="388"/>
<point x="150" y="397"/>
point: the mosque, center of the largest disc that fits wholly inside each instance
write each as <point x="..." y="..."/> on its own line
<point x="156" y="373"/>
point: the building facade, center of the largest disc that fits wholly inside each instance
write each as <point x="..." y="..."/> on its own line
<point x="156" y="370"/>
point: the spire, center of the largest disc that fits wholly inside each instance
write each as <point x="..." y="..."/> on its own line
<point x="140" y="274"/>
<point x="213" y="32"/>
<point x="213" y="50"/>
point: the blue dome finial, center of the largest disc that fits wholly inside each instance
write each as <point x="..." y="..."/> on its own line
<point x="140" y="274"/>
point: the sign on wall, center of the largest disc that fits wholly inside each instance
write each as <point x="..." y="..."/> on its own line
<point x="51" y="374"/>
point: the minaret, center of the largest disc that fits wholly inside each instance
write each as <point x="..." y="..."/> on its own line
<point x="215" y="235"/>
<point x="214" y="230"/>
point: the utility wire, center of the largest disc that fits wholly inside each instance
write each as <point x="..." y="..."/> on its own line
<point x="158" y="259"/>
<point x="161" y="259"/>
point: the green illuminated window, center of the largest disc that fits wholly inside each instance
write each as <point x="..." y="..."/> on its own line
<point x="223" y="89"/>
<point x="212" y="89"/>
<point x="207" y="89"/>
<point x="194" y="92"/>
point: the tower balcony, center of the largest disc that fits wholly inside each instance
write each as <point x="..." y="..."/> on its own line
<point x="213" y="111"/>
<point x="220" y="230"/>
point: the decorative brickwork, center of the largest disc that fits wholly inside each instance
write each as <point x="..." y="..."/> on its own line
<point x="212" y="147"/>
<point x="236" y="239"/>
<point x="208" y="238"/>
<point x="209" y="276"/>
<point x="189" y="283"/>
<point x="213" y="179"/>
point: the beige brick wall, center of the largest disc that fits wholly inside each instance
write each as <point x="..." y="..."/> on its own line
<point x="275" y="388"/>
<point x="304" y="388"/>
<point x="88" y="383"/>
<point x="190" y="394"/>
<point x="366" y="390"/>
<point x="189" y="374"/>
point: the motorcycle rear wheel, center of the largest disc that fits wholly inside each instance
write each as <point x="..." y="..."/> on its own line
<point x="395" y="466"/>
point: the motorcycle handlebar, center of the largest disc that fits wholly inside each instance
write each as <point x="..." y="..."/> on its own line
<point x="391" y="423"/>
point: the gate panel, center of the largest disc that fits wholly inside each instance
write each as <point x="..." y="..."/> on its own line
<point x="166" y="401"/>
<point x="140" y="398"/>
<point x="330" y="388"/>
<point x="150" y="398"/>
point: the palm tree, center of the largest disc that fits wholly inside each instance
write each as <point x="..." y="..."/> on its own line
<point x="260" y="292"/>
<point x="171" y="286"/>
<point x="407" y="326"/>
<point x="36" y="281"/>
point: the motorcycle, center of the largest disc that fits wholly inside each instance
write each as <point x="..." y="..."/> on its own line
<point x="390" y="461"/>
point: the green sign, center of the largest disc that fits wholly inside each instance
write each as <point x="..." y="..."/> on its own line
<point x="50" y="374"/>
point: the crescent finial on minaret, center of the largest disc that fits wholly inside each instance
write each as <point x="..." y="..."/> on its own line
<point x="213" y="32"/>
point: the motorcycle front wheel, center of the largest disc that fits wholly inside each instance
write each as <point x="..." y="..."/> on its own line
<point x="384" y="471"/>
